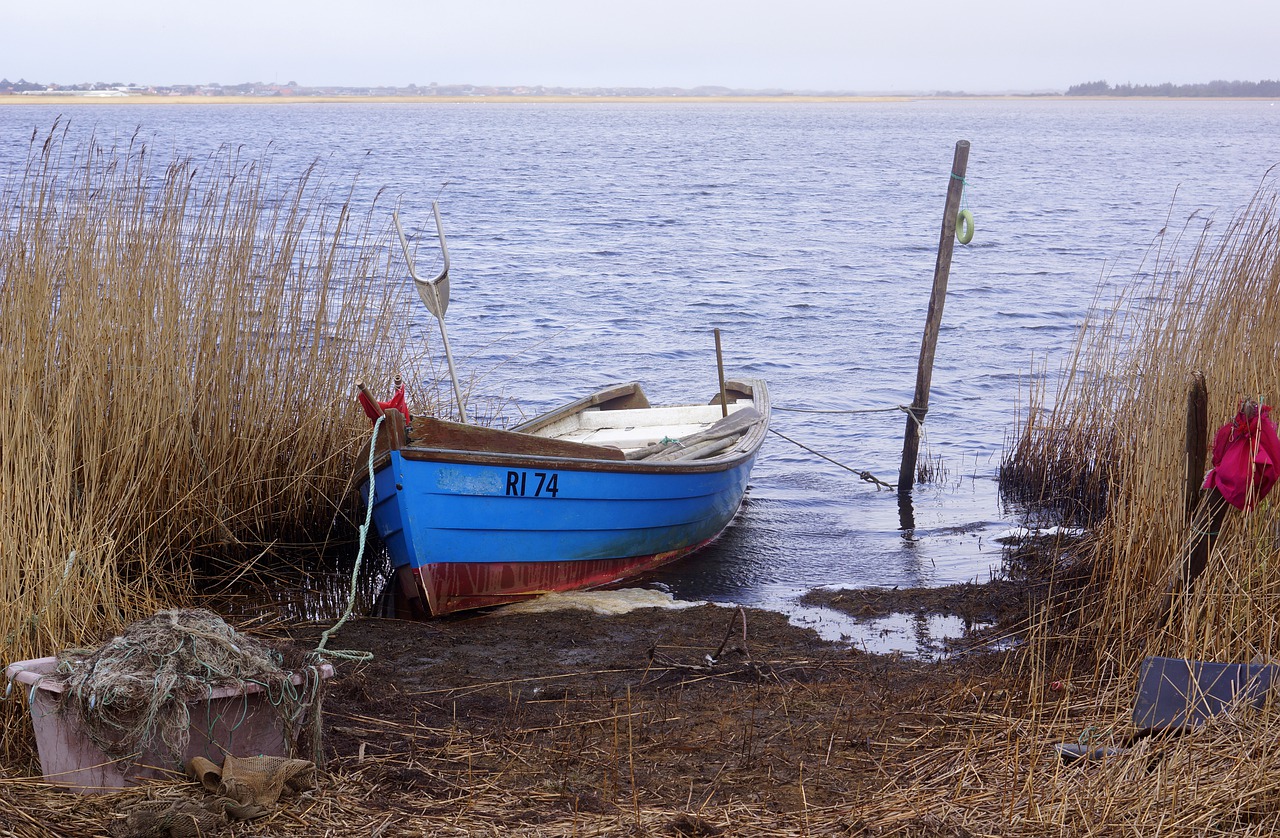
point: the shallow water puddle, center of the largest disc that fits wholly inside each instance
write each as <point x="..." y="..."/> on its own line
<point x="918" y="635"/>
<point x="912" y="634"/>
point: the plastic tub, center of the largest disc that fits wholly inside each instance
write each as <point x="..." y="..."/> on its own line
<point x="240" y="722"/>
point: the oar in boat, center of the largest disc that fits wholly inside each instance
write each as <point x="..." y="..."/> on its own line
<point x="435" y="296"/>
<point x="370" y="403"/>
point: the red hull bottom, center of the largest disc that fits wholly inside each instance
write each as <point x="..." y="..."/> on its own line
<point x="437" y="589"/>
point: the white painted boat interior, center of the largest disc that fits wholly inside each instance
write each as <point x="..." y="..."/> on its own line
<point x="637" y="428"/>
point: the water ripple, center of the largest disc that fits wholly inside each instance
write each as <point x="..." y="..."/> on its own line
<point x="808" y="233"/>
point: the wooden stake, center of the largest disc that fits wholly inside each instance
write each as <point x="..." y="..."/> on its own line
<point x="1197" y="443"/>
<point x="1204" y="511"/>
<point x="941" y="272"/>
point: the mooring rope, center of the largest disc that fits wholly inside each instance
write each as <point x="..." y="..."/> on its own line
<point x="817" y="410"/>
<point x="964" y="189"/>
<point x="355" y="571"/>
<point x="911" y="413"/>
<point x="905" y="408"/>
<point x="865" y="475"/>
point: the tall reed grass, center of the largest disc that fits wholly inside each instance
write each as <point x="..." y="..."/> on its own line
<point x="1109" y="450"/>
<point x="1118" y="426"/>
<point x="179" y="339"/>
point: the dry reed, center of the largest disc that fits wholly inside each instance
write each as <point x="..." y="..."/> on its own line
<point x="1120" y="415"/>
<point x="180" y="341"/>
<point x="1117" y="429"/>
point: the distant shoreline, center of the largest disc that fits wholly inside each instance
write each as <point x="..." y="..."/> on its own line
<point x="56" y="99"/>
<point x="46" y="99"/>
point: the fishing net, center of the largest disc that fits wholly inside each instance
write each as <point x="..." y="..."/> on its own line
<point x="133" y="693"/>
<point x="247" y="788"/>
<point x="242" y="789"/>
<point x="168" y="819"/>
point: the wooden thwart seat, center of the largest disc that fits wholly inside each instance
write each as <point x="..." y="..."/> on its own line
<point x="705" y="442"/>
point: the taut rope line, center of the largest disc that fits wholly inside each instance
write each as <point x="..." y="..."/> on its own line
<point x="865" y="475"/>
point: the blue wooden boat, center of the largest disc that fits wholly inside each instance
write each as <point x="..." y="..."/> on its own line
<point x="592" y="493"/>
<point x="596" y="491"/>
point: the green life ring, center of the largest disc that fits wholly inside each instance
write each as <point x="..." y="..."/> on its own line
<point x="964" y="227"/>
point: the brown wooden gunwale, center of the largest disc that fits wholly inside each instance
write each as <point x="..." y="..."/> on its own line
<point x="617" y="397"/>
<point x="753" y="440"/>
<point x="444" y="455"/>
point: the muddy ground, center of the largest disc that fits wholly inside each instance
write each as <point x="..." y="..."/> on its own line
<point x="576" y="715"/>
<point x="698" y="721"/>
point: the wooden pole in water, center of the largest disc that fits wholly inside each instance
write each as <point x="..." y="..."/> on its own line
<point x="933" y="322"/>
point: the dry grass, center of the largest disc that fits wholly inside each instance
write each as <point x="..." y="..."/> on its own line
<point x="801" y="753"/>
<point x="1113" y="442"/>
<point x="179" y="339"/>
<point x="1000" y="777"/>
<point x="1119" y="421"/>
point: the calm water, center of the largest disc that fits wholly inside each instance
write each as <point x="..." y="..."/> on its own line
<point x="598" y="243"/>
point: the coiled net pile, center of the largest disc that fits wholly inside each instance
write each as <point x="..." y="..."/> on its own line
<point x="133" y="693"/>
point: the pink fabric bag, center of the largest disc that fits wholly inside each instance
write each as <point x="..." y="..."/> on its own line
<point x="1246" y="457"/>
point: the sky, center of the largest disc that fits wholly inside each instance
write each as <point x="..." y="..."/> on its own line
<point x="976" y="46"/>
